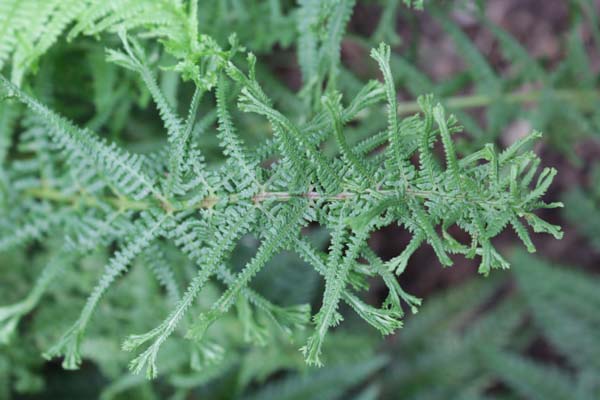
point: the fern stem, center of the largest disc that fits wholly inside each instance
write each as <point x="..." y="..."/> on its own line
<point x="121" y="203"/>
<point x="124" y="204"/>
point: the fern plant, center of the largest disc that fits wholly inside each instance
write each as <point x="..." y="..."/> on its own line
<point x="64" y="181"/>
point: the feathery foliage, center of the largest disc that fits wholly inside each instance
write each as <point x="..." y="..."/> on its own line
<point x="184" y="213"/>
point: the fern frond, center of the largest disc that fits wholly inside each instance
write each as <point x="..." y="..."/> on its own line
<point x="321" y="26"/>
<point x="333" y="108"/>
<point x="338" y="269"/>
<point x="62" y="15"/>
<point x="28" y="231"/>
<point x="382" y="56"/>
<point x="286" y="224"/>
<point x="291" y="138"/>
<point x="172" y="203"/>
<point x="69" y="345"/>
<point x="157" y="262"/>
<point x="331" y="49"/>
<point x="121" y="169"/>
<point x="563" y="302"/>
<point x="208" y="264"/>
<point x="529" y="379"/>
<point x="178" y="132"/>
<point x="308" y="20"/>
<point x="231" y="143"/>
<point x="452" y="163"/>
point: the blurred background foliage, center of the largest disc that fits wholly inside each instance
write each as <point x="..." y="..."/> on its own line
<point x="504" y="67"/>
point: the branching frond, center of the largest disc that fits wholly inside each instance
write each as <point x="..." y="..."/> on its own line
<point x="69" y="344"/>
<point x="212" y="203"/>
<point x="187" y="238"/>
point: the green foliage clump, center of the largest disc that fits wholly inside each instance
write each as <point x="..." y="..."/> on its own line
<point x="96" y="206"/>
